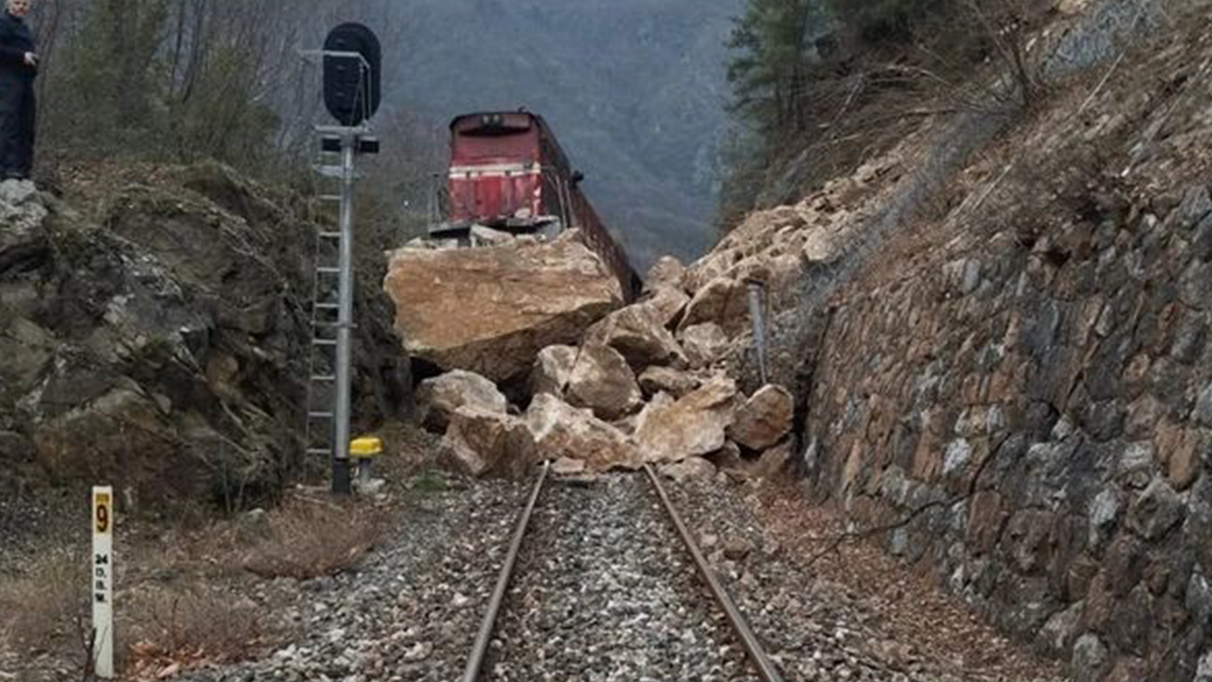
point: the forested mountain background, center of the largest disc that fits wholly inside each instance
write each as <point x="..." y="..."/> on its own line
<point x="634" y="89"/>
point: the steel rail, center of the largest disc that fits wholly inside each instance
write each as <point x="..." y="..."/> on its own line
<point x="476" y="661"/>
<point x="749" y="640"/>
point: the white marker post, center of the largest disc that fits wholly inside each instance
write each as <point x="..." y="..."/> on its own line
<point x="103" y="581"/>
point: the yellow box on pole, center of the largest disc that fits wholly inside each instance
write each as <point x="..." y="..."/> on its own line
<point x="365" y="448"/>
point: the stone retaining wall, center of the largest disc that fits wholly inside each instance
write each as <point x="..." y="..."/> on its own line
<point x="1039" y="414"/>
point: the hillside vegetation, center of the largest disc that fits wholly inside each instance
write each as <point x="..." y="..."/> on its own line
<point x="821" y="86"/>
<point x="181" y="81"/>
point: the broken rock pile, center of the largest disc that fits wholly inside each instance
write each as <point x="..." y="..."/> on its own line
<point x="636" y="385"/>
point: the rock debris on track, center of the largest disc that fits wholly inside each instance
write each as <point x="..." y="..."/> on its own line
<point x="605" y="592"/>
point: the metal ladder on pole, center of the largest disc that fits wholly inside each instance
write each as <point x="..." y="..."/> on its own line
<point x="321" y="429"/>
<point x="351" y="59"/>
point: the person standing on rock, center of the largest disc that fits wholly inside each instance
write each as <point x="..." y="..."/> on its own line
<point x="18" y="68"/>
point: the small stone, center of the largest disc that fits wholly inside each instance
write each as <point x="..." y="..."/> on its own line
<point x="418" y="652"/>
<point x="1202" y="414"/>
<point x="1058" y="632"/>
<point x="704" y="344"/>
<point x="666" y="272"/>
<point x="736" y="548"/>
<point x="898" y="544"/>
<point x="764" y="419"/>
<point x="1199" y="599"/>
<point x="1194" y="205"/>
<point x="959" y="453"/>
<point x="1136" y="457"/>
<point x="1156" y="511"/>
<point x="552" y="369"/>
<point x="565" y="466"/>
<point x="369" y="487"/>
<point x="1090" y="659"/>
<point x="689" y="469"/>
<point x="439" y="397"/>
<point x="1104" y="511"/>
<point x="656" y="380"/>
<point x="1204" y="672"/>
<point x="602" y="381"/>
<point x="1195" y="287"/>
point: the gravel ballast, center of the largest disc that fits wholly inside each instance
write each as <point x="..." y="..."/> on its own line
<point x="410" y="612"/>
<point x="604" y="591"/>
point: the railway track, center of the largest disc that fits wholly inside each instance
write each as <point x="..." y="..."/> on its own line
<point x="609" y="585"/>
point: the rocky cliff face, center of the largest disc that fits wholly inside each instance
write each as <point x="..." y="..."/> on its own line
<point x="160" y="343"/>
<point x="1020" y="388"/>
<point x="1044" y="417"/>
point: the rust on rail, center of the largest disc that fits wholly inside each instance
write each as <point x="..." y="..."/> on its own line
<point x="476" y="661"/>
<point x="757" y="654"/>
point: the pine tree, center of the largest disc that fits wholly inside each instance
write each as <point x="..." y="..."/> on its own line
<point x="774" y="40"/>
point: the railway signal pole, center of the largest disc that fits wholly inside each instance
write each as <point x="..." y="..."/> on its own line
<point x="352" y="60"/>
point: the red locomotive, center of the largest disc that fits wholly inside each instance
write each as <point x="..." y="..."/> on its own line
<point x="507" y="172"/>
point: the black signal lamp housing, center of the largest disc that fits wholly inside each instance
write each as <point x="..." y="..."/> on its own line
<point x="352" y="73"/>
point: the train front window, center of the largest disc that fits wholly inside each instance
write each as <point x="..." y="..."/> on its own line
<point x="518" y="145"/>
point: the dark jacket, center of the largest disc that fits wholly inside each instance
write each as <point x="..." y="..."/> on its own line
<point x="15" y="40"/>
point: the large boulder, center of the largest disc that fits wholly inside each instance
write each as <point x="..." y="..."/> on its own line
<point x="724" y="301"/>
<point x="484" y="442"/>
<point x="665" y="306"/>
<point x="639" y="335"/>
<point x="774" y="464"/>
<point x="693" y="425"/>
<point x="764" y="419"/>
<point x="439" y="397"/>
<point x="563" y="431"/>
<point x="602" y="381"/>
<point x="491" y="310"/>
<point x="552" y="370"/>
<point x="665" y="273"/>
<point x="675" y="382"/>
<point x="704" y="344"/>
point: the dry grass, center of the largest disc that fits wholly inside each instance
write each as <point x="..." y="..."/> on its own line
<point x="6" y="639"/>
<point x="174" y="628"/>
<point x="183" y="591"/>
<point x="309" y="538"/>
<point x="43" y="605"/>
